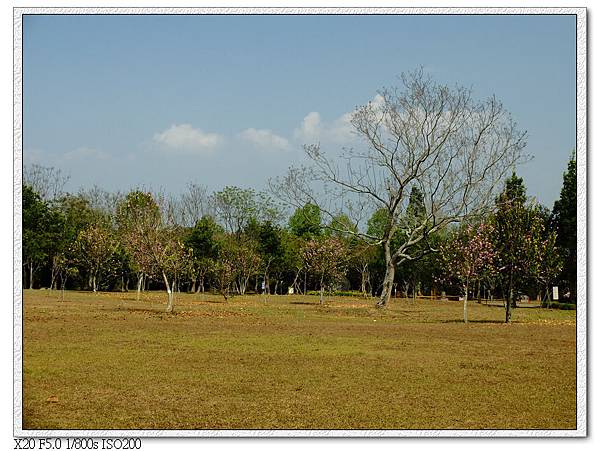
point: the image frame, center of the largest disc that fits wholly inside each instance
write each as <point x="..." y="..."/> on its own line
<point x="581" y="153"/>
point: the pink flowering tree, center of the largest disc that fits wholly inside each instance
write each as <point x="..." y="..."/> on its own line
<point x="168" y="256"/>
<point x="325" y="259"/>
<point x="138" y="215"/>
<point x="546" y="261"/>
<point x="95" y="245"/>
<point x="469" y="257"/>
<point x="153" y="241"/>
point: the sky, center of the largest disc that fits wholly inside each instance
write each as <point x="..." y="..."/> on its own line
<point x="163" y="101"/>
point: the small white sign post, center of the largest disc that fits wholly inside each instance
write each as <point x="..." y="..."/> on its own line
<point x="555" y="293"/>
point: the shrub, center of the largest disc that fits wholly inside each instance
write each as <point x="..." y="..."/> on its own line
<point x="336" y="293"/>
<point x="563" y="306"/>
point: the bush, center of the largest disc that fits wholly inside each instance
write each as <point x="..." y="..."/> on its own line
<point x="335" y="293"/>
<point x="563" y="306"/>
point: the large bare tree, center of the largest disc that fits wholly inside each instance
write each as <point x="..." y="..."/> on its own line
<point x="454" y="149"/>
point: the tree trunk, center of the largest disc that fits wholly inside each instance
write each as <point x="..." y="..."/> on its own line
<point x="405" y="286"/>
<point x="295" y="282"/>
<point x="169" y="293"/>
<point x="139" y="286"/>
<point x="243" y="283"/>
<point x="31" y="275"/>
<point x="54" y="274"/>
<point x="304" y="282"/>
<point x="388" y="282"/>
<point x="363" y="282"/>
<point x="414" y="293"/>
<point x="509" y="302"/>
<point x="466" y="287"/>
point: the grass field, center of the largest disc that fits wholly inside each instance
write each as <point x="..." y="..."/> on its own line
<point x="105" y="361"/>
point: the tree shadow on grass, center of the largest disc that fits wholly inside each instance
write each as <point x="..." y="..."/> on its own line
<point x="148" y="309"/>
<point x="207" y="301"/>
<point x="477" y="321"/>
<point x="491" y="305"/>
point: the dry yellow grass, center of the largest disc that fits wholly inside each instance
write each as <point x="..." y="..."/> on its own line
<point x="106" y="361"/>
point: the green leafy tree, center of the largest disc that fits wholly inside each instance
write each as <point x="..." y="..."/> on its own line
<point x="292" y="264"/>
<point x="204" y="243"/>
<point x="65" y="268"/>
<point x="236" y="207"/>
<point x="564" y="222"/>
<point x="41" y="231"/>
<point x="306" y="222"/>
<point x="513" y="240"/>
<point x="271" y="250"/>
<point x="77" y="215"/>
<point x="339" y="226"/>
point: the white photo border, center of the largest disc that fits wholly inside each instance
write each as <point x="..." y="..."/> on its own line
<point x="581" y="152"/>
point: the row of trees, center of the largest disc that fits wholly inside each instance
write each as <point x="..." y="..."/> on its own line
<point x="425" y="203"/>
<point x="513" y="251"/>
<point x="141" y="242"/>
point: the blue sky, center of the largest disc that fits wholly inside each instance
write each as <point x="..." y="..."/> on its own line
<point x="161" y="101"/>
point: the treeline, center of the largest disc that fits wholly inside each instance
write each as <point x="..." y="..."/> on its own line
<point x="238" y="241"/>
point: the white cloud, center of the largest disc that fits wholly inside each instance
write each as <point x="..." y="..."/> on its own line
<point x="186" y="138"/>
<point x="265" y="139"/>
<point x="309" y="131"/>
<point x="86" y="153"/>
<point x="340" y="131"/>
<point x="377" y="101"/>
